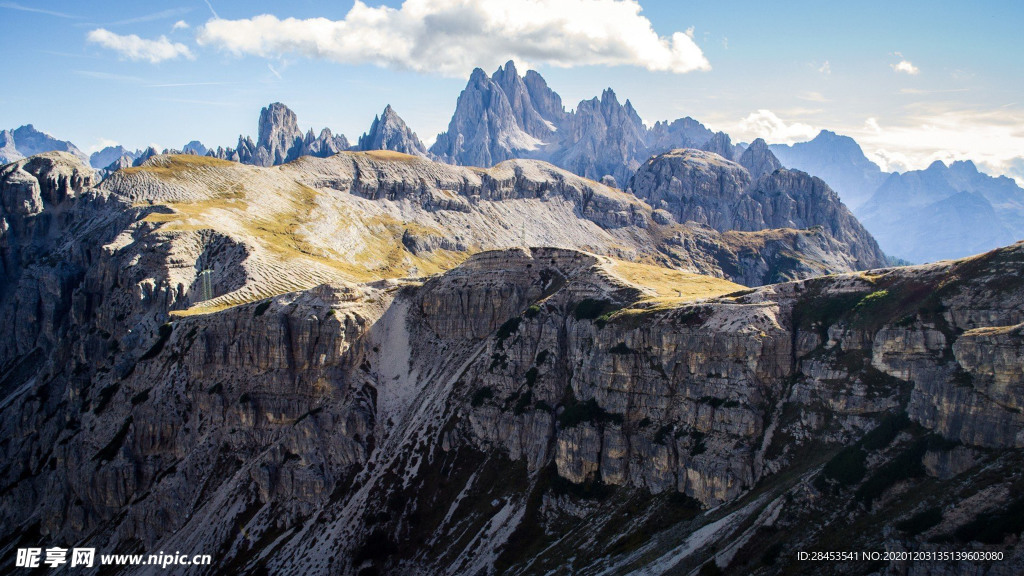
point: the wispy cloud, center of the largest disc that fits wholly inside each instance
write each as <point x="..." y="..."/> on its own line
<point x="451" y="37"/>
<point x="273" y="71"/>
<point x="184" y="84"/>
<point x="993" y="139"/>
<point x="109" y="76"/>
<point x="766" y="124"/>
<point x="918" y="91"/>
<point x="16" y="6"/>
<point x="905" y="66"/>
<point x="825" y="68"/>
<point x="169" y="13"/>
<point x="133" y="47"/>
<point x="212" y="11"/>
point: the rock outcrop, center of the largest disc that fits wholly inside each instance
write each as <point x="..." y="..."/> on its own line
<point x="484" y="130"/>
<point x="506" y="116"/>
<point x="279" y="140"/>
<point x="703" y="187"/>
<point x="389" y="132"/>
<point x="102" y="159"/>
<point x="759" y="160"/>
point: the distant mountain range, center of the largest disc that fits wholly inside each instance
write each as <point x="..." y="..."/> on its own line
<point x="919" y="216"/>
<point x="27" y="141"/>
<point x="839" y="161"/>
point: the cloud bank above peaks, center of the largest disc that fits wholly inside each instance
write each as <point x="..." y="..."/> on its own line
<point x="451" y="37"/>
<point x="133" y="47"/>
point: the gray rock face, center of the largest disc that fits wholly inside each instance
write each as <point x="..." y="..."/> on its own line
<point x="532" y="399"/>
<point x="484" y="130"/>
<point x="8" y="151"/>
<point x="146" y="155"/>
<point x="759" y="160"/>
<point x="537" y="120"/>
<point x="507" y="116"/>
<point x="603" y="137"/>
<point x="705" y="188"/>
<point x="389" y="132"/>
<point x="721" y="144"/>
<point x="680" y="133"/>
<point x="279" y="140"/>
<point x="944" y="212"/>
<point x="195" y="147"/>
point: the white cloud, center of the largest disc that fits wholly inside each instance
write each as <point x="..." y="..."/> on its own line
<point x="135" y="48"/>
<point x="766" y="124"/>
<point x="452" y="37"/>
<point x="992" y="139"/>
<point x="825" y="68"/>
<point x="101" y="144"/>
<point x="180" y="25"/>
<point x="904" y="66"/>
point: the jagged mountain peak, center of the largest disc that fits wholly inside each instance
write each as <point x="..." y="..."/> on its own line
<point x="759" y="160"/>
<point x="390" y="132"/>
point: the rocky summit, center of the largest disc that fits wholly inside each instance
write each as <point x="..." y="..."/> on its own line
<point x="506" y="116"/>
<point x="375" y="363"/>
<point x="279" y="140"/>
<point x="389" y="132"/>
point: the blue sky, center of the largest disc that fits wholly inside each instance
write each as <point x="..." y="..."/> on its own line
<point x="911" y="81"/>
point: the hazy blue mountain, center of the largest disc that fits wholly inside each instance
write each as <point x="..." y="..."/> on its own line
<point x="944" y="212"/>
<point x="27" y="141"/>
<point x="107" y="156"/>
<point x="839" y="161"/>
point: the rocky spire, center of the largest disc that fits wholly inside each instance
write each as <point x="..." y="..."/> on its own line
<point x="720" y="144"/>
<point x="483" y="131"/>
<point x="280" y="139"/>
<point x="390" y="132"/>
<point x="759" y="160"/>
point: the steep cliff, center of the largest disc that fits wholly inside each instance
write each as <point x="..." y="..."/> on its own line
<point x="705" y="188"/>
<point x="525" y="411"/>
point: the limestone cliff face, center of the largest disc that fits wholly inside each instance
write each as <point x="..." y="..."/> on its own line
<point x="525" y="407"/>
<point x="705" y="188"/>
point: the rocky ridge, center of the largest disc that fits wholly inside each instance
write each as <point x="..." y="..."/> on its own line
<point x="506" y="116"/>
<point x="702" y="187"/>
<point x="528" y="406"/>
<point x="26" y="141"/>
